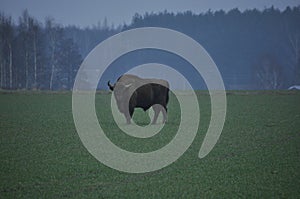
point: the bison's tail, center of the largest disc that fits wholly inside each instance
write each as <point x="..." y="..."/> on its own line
<point x="111" y="87"/>
<point x="167" y="99"/>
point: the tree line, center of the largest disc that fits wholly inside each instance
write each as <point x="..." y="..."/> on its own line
<point x="43" y="56"/>
<point x="253" y="49"/>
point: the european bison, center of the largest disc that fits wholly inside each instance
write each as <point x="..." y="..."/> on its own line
<point x="131" y="92"/>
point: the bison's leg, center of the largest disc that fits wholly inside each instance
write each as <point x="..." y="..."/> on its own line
<point x="128" y="118"/>
<point x="157" y="109"/>
<point x="128" y="115"/>
<point x="164" y="111"/>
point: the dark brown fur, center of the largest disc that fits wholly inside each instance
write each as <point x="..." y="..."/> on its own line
<point x="131" y="92"/>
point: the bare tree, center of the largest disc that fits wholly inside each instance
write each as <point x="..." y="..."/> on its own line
<point x="2" y="38"/>
<point x="7" y="36"/>
<point x="294" y="40"/>
<point x="34" y="34"/>
<point x="24" y="34"/>
<point x="269" y="72"/>
<point x="292" y="45"/>
<point x="54" y="33"/>
<point x="9" y="40"/>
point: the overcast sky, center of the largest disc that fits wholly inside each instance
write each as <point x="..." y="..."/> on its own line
<point x="85" y="13"/>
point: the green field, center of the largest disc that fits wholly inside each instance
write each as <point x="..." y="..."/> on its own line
<point x="257" y="155"/>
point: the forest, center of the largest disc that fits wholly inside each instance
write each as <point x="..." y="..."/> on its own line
<point x="253" y="49"/>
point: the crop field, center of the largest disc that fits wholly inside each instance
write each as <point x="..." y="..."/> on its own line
<point x="257" y="155"/>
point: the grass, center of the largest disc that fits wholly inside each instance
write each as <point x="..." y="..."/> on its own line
<point x="257" y="155"/>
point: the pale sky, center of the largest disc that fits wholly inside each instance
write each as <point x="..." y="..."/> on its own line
<point x="90" y="12"/>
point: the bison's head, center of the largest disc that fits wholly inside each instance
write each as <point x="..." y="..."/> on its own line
<point x="111" y="87"/>
<point x="122" y="94"/>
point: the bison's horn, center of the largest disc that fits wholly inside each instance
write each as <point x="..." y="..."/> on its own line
<point x="128" y="85"/>
<point x="111" y="87"/>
